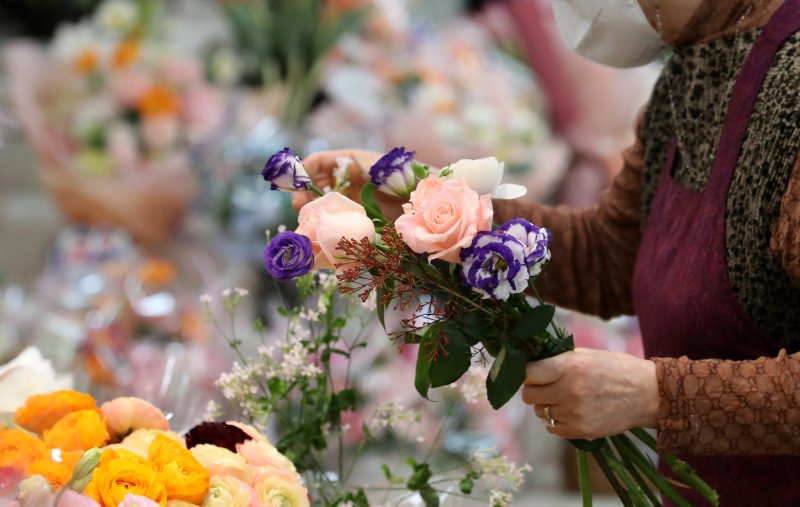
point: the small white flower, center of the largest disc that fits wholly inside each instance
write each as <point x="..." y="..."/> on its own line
<point x="241" y="292"/>
<point x="117" y="16"/>
<point x="282" y="228"/>
<point x="485" y="176"/>
<point x="206" y="298"/>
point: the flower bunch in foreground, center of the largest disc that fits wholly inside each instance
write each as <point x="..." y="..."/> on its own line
<point x="67" y="451"/>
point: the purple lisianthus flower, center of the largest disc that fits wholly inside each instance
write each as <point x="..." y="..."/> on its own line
<point x="494" y="265"/>
<point x="286" y="172"/>
<point x="393" y="173"/>
<point x="536" y="241"/>
<point x="288" y="256"/>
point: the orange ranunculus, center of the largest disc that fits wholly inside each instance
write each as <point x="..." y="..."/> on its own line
<point x="78" y="431"/>
<point x="125" y="54"/>
<point x="184" y="476"/>
<point x="86" y="61"/>
<point x="159" y="100"/>
<point x="57" y="474"/>
<point x="157" y="272"/>
<point x="42" y="411"/>
<point x="19" y="449"/>
<point x="120" y="473"/>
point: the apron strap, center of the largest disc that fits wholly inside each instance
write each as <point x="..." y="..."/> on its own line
<point x="784" y="23"/>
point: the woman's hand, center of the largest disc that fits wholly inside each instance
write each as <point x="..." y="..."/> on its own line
<point x="592" y="393"/>
<point x="320" y="168"/>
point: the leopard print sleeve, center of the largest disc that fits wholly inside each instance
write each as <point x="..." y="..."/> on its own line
<point x="785" y="240"/>
<point x="715" y="406"/>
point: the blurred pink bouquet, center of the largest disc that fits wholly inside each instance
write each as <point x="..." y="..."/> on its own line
<point x="112" y="116"/>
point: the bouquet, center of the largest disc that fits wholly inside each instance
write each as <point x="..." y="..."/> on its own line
<point x="463" y="282"/>
<point x="113" y="113"/>
<point x="61" y="449"/>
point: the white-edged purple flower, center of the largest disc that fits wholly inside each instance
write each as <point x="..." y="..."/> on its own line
<point x="286" y="172"/>
<point x="393" y="173"/>
<point x="494" y="265"/>
<point x="289" y="255"/>
<point x="536" y="241"/>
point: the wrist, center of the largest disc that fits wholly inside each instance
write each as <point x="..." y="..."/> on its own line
<point x="651" y="397"/>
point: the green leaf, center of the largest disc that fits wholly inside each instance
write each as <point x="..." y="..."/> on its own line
<point x="371" y="205"/>
<point x="421" y="171"/>
<point x="419" y="479"/>
<point x="498" y="363"/>
<point x="450" y="366"/>
<point x="509" y="378"/>
<point x="347" y="399"/>
<point x="429" y="496"/>
<point x="466" y="485"/>
<point x="422" y="380"/>
<point x="533" y="322"/>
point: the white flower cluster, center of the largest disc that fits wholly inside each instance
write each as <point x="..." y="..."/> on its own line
<point x="239" y="386"/>
<point x="341" y="174"/>
<point x="472" y="386"/>
<point x="391" y="415"/>
<point x="497" y="470"/>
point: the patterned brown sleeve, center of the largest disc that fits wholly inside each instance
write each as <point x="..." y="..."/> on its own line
<point x="714" y="406"/>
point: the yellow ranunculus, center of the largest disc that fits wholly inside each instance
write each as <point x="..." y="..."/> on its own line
<point x="280" y="488"/>
<point x="184" y="476"/>
<point x="220" y="461"/>
<point x="78" y="431"/>
<point x="139" y="441"/>
<point x="19" y="449"/>
<point x="42" y="411"/>
<point x="122" y="472"/>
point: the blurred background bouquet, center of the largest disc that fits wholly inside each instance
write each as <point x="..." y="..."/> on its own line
<point x="113" y="114"/>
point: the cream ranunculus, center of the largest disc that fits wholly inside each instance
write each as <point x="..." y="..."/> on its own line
<point x="139" y="441"/>
<point x="325" y="221"/>
<point x="222" y="462"/>
<point x="280" y="488"/>
<point x="259" y="453"/>
<point x="228" y="491"/>
<point x="485" y="176"/>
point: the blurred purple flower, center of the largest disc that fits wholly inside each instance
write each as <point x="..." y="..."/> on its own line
<point x="494" y="265"/>
<point x="393" y="173"/>
<point x="536" y="241"/>
<point x="286" y="172"/>
<point x="288" y="256"/>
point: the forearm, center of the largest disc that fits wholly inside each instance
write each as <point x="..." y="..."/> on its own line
<point x="715" y="406"/>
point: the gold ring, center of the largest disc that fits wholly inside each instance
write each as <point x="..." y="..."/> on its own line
<point x="549" y="421"/>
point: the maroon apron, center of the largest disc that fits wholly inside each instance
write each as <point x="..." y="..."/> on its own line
<point x="682" y="292"/>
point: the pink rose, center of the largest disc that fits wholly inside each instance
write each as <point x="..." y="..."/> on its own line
<point x="124" y="415"/>
<point x="135" y="501"/>
<point x="160" y="132"/>
<point x="129" y="85"/>
<point x="72" y="499"/>
<point x="327" y="220"/>
<point x="443" y="217"/>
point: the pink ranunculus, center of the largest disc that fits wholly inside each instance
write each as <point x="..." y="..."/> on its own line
<point x="443" y="217"/>
<point x="129" y="85"/>
<point x="181" y="72"/>
<point x="72" y="499"/>
<point x="160" y="132"/>
<point x="327" y="220"/>
<point x="274" y="486"/>
<point x="251" y="431"/>
<point x="124" y="415"/>
<point x="202" y="108"/>
<point x="261" y="454"/>
<point x="135" y="501"/>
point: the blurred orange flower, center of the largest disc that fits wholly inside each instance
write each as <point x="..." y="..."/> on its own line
<point x="159" y="100"/>
<point x="57" y="474"/>
<point x="184" y="476"/>
<point x="120" y="473"/>
<point x="19" y="449"/>
<point x="126" y="53"/>
<point x="86" y="61"/>
<point x="78" y="431"/>
<point x="42" y="411"/>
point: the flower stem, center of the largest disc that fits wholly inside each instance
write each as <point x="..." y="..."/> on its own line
<point x="624" y="445"/>
<point x="583" y="478"/>
<point x="315" y="189"/>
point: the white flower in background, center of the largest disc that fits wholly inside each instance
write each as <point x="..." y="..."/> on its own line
<point x="28" y="374"/>
<point x="224" y="67"/>
<point x="484" y="176"/>
<point x="118" y="16"/>
<point x="496" y="469"/>
<point x="472" y="386"/>
<point x="499" y="498"/>
<point x="392" y="415"/>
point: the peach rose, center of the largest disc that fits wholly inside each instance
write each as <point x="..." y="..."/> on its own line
<point x="263" y="454"/>
<point x="220" y="461"/>
<point x="124" y="415"/>
<point x="228" y="491"/>
<point x="327" y="220"/>
<point x="443" y="217"/>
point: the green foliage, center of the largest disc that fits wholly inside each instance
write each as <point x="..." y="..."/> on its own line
<point x="371" y="204"/>
<point x="509" y="377"/>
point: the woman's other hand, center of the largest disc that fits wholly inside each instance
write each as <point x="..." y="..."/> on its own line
<point x="320" y="168"/>
<point x="592" y="393"/>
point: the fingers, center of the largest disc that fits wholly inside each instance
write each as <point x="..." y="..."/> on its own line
<point x="545" y="371"/>
<point x="543" y="395"/>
